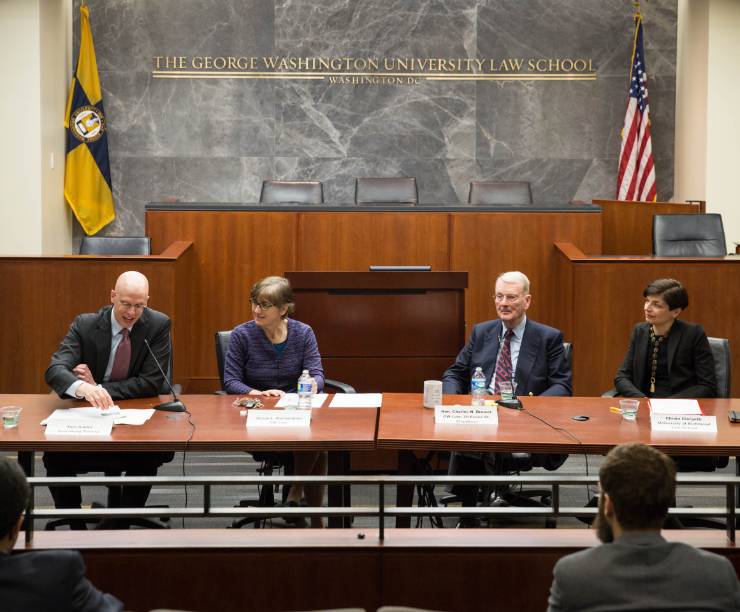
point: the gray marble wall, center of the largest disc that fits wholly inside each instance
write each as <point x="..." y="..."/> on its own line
<point x="216" y="140"/>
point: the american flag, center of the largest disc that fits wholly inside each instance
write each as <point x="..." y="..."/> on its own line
<point x="636" y="177"/>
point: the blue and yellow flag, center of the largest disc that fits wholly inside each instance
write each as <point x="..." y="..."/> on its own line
<point x="87" y="184"/>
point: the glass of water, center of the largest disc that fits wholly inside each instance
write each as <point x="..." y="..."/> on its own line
<point x="11" y="416"/>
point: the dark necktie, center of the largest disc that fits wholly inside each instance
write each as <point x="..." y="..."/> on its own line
<point x="122" y="359"/>
<point x="503" y="365"/>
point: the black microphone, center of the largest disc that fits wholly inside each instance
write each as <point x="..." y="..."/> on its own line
<point x="173" y="406"/>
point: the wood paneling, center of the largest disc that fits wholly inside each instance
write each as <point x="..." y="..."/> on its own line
<point x="246" y="570"/>
<point x="383" y="331"/>
<point x="44" y="294"/>
<point x="486" y="244"/>
<point x="628" y="226"/>
<point x="606" y="302"/>
<point x="353" y="241"/>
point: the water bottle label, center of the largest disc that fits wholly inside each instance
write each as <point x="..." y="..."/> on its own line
<point x="304" y="387"/>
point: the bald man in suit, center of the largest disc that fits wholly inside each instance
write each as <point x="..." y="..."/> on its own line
<point x="103" y="358"/>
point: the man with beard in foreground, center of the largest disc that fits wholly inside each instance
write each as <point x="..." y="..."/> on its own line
<point x="636" y="568"/>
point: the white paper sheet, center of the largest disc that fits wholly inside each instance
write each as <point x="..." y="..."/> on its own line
<point x="357" y="400"/>
<point x="133" y="416"/>
<point x="291" y="399"/>
<point x="674" y="406"/>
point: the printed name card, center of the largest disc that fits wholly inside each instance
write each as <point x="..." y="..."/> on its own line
<point x="278" y="418"/>
<point x="465" y="415"/>
<point x="79" y="427"/>
<point x="683" y="423"/>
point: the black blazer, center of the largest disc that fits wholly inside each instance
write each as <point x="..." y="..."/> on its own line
<point x="690" y="363"/>
<point x="50" y="581"/>
<point x="540" y="368"/>
<point x="89" y="340"/>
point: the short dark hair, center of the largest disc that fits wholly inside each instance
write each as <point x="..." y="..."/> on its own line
<point x="274" y="289"/>
<point x="673" y="293"/>
<point x="14" y="494"/>
<point x="641" y="482"/>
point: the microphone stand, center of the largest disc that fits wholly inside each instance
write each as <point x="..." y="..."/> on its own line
<point x="175" y="405"/>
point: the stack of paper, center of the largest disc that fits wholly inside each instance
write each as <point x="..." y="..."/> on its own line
<point x="291" y="399"/>
<point x="674" y="406"/>
<point x="357" y="400"/>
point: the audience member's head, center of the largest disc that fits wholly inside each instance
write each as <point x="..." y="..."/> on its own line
<point x="638" y="485"/>
<point x="14" y="494"/>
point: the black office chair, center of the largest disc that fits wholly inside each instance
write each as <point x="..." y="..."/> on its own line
<point x="116" y="245"/>
<point x="689" y="236"/>
<point x="401" y="191"/>
<point x="268" y="461"/>
<point x="292" y="192"/>
<point x="491" y="193"/>
<point x="515" y="463"/>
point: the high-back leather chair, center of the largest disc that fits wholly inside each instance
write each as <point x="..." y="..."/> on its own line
<point x="400" y="190"/>
<point x="116" y="245"/>
<point x="689" y="236"/>
<point x="292" y="192"/>
<point x="491" y="193"/>
<point x="722" y="367"/>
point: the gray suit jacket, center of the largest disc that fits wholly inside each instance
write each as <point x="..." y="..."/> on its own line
<point x="89" y="340"/>
<point x="50" y="581"/>
<point x="642" y="571"/>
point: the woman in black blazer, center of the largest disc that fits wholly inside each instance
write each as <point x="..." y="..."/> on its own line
<point x="667" y="357"/>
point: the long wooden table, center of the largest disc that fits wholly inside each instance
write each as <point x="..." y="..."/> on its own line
<point x="406" y="425"/>
<point x="218" y="427"/>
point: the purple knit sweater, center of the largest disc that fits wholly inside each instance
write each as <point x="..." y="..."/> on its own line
<point x="253" y="363"/>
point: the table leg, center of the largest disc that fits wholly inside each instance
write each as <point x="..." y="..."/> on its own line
<point x="339" y="495"/>
<point x="27" y="459"/>
<point x="405" y="493"/>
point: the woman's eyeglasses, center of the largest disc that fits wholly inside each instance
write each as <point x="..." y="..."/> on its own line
<point x="262" y="305"/>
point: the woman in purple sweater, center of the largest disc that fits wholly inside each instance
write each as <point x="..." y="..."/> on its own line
<point x="266" y="357"/>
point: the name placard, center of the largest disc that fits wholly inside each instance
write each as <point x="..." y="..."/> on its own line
<point x="465" y="415"/>
<point x="92" y="427"/>
<point x="278" y="418"/>
<point x="684" y="423"/>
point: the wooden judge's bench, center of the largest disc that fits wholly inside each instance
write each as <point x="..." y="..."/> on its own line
<point x="207" y="256"/>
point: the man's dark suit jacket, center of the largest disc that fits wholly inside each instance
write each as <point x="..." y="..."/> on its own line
<point x="641" y="571"/>
<point x="89" y="341"/>
<point x="690" y="363"/>
<point x="540" y="368"/>
<point x="50" y="581"/>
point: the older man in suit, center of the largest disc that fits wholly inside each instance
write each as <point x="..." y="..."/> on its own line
<point x="636" y="568"/>
<point x="104" y="358"/>
<point x="512" y="348"/>
<point x="44" y="580"/>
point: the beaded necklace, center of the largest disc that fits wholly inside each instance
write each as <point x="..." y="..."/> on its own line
<point x="655" y="343"/>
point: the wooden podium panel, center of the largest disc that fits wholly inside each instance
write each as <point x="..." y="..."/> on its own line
<point x="628" y="226"/>
<point x="383" y="331"/>
<point x="48" y="292"/>
<point x="602" y="301"/>
<point x="485" y="245"/>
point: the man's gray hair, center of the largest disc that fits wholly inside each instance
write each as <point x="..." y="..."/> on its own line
<point x="515" y="277"/>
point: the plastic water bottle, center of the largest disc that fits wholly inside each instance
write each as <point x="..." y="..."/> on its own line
<point x="478" y="387"/>
<point x="306" y="385"/>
